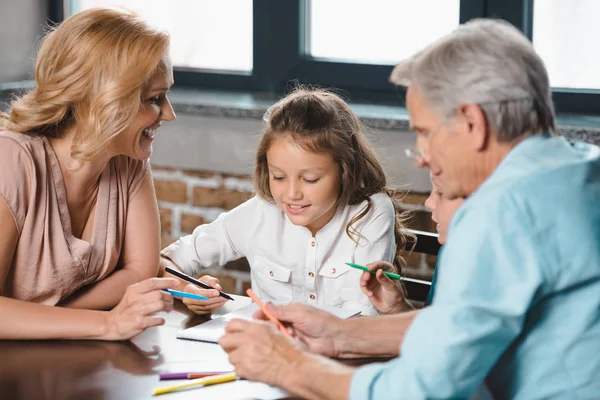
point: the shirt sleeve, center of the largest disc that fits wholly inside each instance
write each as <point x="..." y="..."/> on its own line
<point x="215" y="244"/>
<point x="489" y="276"/>
<point x="377" y="244"/>
<point x="16" y="179"/>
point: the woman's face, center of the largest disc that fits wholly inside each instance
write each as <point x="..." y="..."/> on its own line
<point x="442" y="211"/>
<point x="136" y="141"/>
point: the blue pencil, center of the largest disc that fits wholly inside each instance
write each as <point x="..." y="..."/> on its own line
<point x="185" y="294"/>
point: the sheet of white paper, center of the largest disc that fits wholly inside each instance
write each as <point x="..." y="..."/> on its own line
<point x="213" y="330"/>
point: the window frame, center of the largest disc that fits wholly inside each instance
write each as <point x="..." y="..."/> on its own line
<point x="283" y="25"/>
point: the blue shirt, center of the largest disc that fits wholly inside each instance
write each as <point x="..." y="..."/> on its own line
<point x="517" y="300"/>
<point x="429" y="298"/>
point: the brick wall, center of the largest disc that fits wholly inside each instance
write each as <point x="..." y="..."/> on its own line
<point x="189" y="198"/>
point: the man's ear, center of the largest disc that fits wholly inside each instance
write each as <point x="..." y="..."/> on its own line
<point x="476" y="124"/>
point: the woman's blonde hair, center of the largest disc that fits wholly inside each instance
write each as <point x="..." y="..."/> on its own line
<point x="90" y="74"/>
<point x="321" y="122"/>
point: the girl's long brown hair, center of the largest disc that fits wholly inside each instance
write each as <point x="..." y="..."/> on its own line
<point x="321" y="122"/>
<point x="90" y="74"/>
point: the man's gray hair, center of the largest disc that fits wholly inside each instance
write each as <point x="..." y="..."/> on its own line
<point x="489" y="63"/>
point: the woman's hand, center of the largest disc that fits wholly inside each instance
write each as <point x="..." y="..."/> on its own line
<point x="387" y="295"/>
<point x="214" y="301"/>
<point x="134" y="313"/>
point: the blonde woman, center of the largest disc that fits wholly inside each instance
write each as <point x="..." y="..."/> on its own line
<point x="80" y="228"/>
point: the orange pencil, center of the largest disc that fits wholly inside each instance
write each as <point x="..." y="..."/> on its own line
<point x="262" y="307"/>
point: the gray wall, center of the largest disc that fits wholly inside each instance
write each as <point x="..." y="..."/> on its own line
<point x="21" y="24"/>
<point x="220" y="144"/>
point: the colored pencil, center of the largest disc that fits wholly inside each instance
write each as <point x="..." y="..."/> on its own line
<point x="195" y="281"/>
<point x="165" y="376"/>
<point x="211" y="380"/>
<point x="263" y="308"/>
<point x="179" y="293"/>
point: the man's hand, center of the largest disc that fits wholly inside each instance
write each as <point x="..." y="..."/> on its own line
<point x="259" y="352"/>
<point x="317" y="329"/>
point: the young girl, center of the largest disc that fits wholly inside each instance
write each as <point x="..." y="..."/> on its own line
<point x="321" y="202"/>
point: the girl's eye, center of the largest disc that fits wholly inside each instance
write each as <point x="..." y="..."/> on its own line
<point x="311" y="180"/>
<point x="278" y="178"/>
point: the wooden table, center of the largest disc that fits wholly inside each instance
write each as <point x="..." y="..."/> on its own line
<point x="93" y="370"/>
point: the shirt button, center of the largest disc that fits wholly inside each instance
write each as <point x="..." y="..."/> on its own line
<point x="332" y="270"/>
<point x="271" y="273"/>
<point x="313" y="243"/>
<point x="311" y="274"/>
<point x="312" y="296"/>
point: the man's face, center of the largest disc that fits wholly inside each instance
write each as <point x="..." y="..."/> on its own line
<point x="445" y="144"/>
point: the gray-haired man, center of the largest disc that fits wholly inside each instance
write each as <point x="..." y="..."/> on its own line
<point x="517" y="302"/>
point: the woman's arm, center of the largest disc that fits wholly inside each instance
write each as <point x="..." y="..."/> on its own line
<point x="25" y="320"/>
<point x="139" y="257"/>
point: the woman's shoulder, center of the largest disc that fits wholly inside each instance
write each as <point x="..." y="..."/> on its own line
<point x="20" y="148"/>
<point x="22" y="140"/>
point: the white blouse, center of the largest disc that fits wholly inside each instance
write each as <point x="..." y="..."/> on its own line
<point x="287" y="262"/>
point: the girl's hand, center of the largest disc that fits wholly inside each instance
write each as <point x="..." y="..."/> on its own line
<point x="214" y="301"/>
<point x="387" y="295"/>
<point x="134" y="313"/>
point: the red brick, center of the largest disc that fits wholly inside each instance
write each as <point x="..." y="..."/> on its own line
<point x="201" y="174"/>
<point x="173" y="191"/>
<point x="166" y="217"/>
<point x="189" y="222"/>
<point x="222" y="198"/>
<point x="166" y="240"/>
<point x="163" y="169"/>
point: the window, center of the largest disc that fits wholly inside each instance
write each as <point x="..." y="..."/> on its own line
<point x="262" y="45"/>
<point x="213" y="35"/>
<point x="372" y="32"/>
<point x="565" y="35"/>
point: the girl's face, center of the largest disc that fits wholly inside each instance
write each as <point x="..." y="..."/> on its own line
<point x="136" y="141"/>
<point x="304" y="185"/>
<point x="442" y="211"/>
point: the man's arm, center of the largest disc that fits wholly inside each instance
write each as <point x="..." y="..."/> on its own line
<point x="373" y="336"/>
<point x="490" y="275"/>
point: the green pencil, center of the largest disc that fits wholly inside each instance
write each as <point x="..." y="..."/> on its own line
<point x="388" y="274"/>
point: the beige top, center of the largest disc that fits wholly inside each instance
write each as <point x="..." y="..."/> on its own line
<point x="49" y="263"/>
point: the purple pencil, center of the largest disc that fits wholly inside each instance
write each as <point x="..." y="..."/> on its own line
<point x="187" y="375"/>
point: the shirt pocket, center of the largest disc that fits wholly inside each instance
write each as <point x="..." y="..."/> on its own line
<point x="272" y="279"/>
<point x="337" y="280"/>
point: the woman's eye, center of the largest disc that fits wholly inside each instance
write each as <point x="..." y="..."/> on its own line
<point x="311" y="180"/>
<point x="278" y="178"/>
<point x="154" y="100"/>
